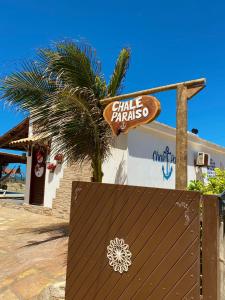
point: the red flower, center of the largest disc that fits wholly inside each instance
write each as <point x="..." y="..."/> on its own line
<point x="58" y="157"/>
<point x="51" y="167"/>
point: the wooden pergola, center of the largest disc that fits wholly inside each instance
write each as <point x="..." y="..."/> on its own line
<point x="185" y="91"/>
<point x="20" y="131"/>
<point x="8" y="158"/>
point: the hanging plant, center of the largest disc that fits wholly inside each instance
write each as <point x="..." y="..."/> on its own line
<point x="59" y="158"/>
<point x="51" y="167"/>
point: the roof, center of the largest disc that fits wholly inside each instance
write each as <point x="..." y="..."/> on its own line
<point x="20" y="131"/>
<point x="29" y="140"/>
<point x="12" y="158"/>
<point x="171" y="131"/>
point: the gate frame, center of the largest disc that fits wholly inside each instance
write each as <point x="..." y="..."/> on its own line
<point x="212" y="246"/>
<point x="212" y="240"/>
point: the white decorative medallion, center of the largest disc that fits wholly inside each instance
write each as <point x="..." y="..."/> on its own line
<point x="119" y="255"/>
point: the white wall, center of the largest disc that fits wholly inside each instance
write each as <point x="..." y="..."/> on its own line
<point x="217" y="158"/>
<point x="28" y="177"/>
<point x="142" y="169"/>
<point x="52" y="180"/>
<point x="28" y="169"/>
<point x="131" y="161"/>
<point x="115" y="167"/>
<point x="136" y="157"/>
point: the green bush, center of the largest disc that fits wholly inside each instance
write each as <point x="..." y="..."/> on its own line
<point x="214" y="186"/>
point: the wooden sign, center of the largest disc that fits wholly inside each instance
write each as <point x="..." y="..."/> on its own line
<point x="124" y="115"/>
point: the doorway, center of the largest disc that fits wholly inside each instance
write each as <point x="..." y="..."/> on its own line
<point x="38" y="171"/>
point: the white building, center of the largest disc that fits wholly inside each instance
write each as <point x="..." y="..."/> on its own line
<point x="146" y="156"/>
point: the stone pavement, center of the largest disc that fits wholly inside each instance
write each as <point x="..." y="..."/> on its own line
<point x="33" y="252"/>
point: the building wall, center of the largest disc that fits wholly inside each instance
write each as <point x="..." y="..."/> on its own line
<point x="62" y="200"/>
<point x="28" y="177"/>
<point x="145" y="152"/>
<point x="52" y="181"/>
<point x="136" y="159"/>
<point x="217" y="159"/>
<point x="28" y="169"/>
<point x="115" y="166"/>
<point x="146" y="145"/>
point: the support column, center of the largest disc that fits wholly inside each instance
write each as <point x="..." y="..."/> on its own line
<point x="210" y="249"/>
<point x="181" y="138"/>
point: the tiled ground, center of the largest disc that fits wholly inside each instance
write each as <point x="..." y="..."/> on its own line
<point x="32" y="253"/>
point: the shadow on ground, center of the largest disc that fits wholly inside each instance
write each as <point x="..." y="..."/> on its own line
<point x="46" y="233"/>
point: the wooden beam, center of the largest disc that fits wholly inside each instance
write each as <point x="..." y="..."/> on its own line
<point x="194" y="91"/>
<point x="181" y="138"/>
<point x="185" y="90"/>
<point x="188" y="84"/>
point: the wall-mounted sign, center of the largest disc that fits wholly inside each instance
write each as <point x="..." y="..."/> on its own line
<point x="168" y="159"/>
<point x="211" y="169"/>
<point x="124" y="115"/>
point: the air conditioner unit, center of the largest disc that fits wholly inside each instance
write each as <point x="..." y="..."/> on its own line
<point x="203" y="159"/>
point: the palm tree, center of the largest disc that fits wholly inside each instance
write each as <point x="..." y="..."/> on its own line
<point x="61" y="91"/>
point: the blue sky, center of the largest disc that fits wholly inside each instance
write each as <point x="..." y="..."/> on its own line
<point x="171" y="41"/>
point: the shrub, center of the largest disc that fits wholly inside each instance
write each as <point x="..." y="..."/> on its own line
<point x="212" y="186"/>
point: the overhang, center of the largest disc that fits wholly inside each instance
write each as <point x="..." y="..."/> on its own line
<point x="29" y="140"/>
<point x="20" y="131"/>
<point x="6" y="158"/>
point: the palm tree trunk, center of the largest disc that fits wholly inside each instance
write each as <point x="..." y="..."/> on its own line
<point x="97" y="169"/>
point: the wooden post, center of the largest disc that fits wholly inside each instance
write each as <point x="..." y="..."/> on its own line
<point x="185" y="90"/>
<point x="181" y="138"/>
<point x="221" y="259"/>
<point x="210" y="249"/>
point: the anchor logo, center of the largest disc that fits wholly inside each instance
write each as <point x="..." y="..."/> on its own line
<point x="167" y="172"/>
<point x="123" y="125"/>
<point x="167" y="158"/>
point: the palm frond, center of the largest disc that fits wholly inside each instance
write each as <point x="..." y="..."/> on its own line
<point x="116" y="81"/>
<point x="61" y="90"/>
<point x="28" y="88"/>
<point x="74" y="64"/>
<point x="76" y="124"/>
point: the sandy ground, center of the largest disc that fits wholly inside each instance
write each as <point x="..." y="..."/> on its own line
<point x="32" y="253"/>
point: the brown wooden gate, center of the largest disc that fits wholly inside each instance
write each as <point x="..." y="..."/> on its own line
<point x="162" y="229"/>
